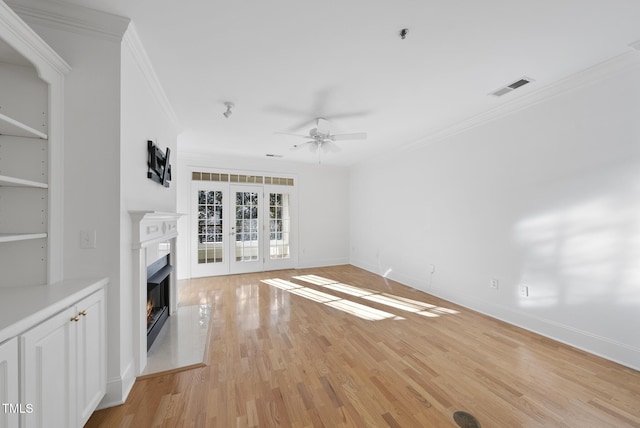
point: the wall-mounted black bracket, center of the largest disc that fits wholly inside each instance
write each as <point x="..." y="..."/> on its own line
<point x="159" y="168"/>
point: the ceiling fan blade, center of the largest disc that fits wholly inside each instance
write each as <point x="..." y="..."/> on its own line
<point x="303" y="124"/>
<point x="299" y="146"/>
<point x="322" y="125"/>
<point x="349" y="114"/>
<point x="354" y="136"/>
<point x="309" y="122"/>
<point x="313" y="148"/>
<point x="286" y="111"/>
<point x="329" y="146"/>
<point x="295" y="135"/>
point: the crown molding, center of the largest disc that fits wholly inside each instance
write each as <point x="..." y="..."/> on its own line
<point x="22" y="38"/>
<point x="131" y="41"/>
<point x="615" y="65"/>
<point x="71" y="17"/>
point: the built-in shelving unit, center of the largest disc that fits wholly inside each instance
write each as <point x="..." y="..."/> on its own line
<point x="9" y="126"/>
<point x="31" y="103"/>
<point x="24" y="174"/>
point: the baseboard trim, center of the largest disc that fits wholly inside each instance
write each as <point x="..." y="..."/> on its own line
<point x="118" y="389"/>
<point x="303" y="264"/>
<point x="600" y="346"/>
<point x="588" y="342"/>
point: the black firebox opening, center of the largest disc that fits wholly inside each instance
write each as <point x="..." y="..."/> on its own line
<point x="158" y="278"/>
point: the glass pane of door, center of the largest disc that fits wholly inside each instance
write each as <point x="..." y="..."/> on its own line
<point x="210" y="224"/>
<point x="246" y="254"/>
<point x="279" y="226"/>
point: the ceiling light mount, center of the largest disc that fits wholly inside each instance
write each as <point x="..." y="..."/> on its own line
<point x="229" y="105"/>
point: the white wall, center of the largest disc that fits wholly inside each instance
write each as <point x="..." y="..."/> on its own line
<point x="548" y="196"/>
<point x="323" y="205"/>
<point x="142" y="119"/>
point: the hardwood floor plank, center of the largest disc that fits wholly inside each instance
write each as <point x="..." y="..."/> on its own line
<point x="352" y="349"/>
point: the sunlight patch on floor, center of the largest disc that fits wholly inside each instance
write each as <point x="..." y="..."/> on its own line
<point x="314" y="295"/>
<point x="357" y="309"/>
<point x="348" y="289"/>
<point x="387" y="299"/>
<point x="411" y="301"/>
<point x="363" y="311"/>
<point x="390" y="301"/>
<point x="281" y="283"/>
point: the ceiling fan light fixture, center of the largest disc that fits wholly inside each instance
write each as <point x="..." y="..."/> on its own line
<point x="321" y="140"/>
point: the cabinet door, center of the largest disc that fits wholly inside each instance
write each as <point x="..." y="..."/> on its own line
<point x="9" y="384"/>
<point x="91" y="355"/>
<point x="49" y="372"/>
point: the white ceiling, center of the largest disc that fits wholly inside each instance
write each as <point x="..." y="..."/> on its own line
<point x="285" y="62"/>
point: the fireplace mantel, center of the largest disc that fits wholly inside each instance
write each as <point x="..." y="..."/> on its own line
<point x="153" y="226"/>
<point x="149" y="229"/>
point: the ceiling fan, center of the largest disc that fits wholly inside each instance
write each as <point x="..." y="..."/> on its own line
<point x="321" y="139"/>
<point x="319" y="109"/>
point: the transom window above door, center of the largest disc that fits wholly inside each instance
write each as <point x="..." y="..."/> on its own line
<point x="241" y="178"/>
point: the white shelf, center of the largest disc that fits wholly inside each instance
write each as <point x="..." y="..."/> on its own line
<point x="12" y="237"/>
<point x="9" y="126"/>
<point x="19" y="182"/>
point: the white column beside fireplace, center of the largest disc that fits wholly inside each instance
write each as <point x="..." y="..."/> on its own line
<point x="153" y="233"/>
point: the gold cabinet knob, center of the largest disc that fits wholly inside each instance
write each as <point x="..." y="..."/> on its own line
<point x="75" y="319"/>
<point x="83" y="313"/>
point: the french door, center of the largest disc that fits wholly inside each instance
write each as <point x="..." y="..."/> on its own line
<point x="246" y="229"/>
<point x="209" y="231"/>
<point x="241" y="228"/>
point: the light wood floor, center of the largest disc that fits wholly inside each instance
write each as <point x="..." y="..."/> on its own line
<point x="291" y="353"/>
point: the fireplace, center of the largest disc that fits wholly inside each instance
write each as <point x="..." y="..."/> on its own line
<point x="154" y="256"/>
<point x="157" y="309"/>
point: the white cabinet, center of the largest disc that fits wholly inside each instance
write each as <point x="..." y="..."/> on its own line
<point x="63" y="365"/>
<point x="9" y="397"/>
<point x="91" y="355"/>
<point x="49" y="372"/>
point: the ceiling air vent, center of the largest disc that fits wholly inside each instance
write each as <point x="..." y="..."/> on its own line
<point x="511" y="87"/>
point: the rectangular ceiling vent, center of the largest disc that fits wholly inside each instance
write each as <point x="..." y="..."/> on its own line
<point x="511" y="87"/>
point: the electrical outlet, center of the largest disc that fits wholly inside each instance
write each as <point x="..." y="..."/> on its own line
<point x="524" y="291"/>
<point x="494" y="284"/>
